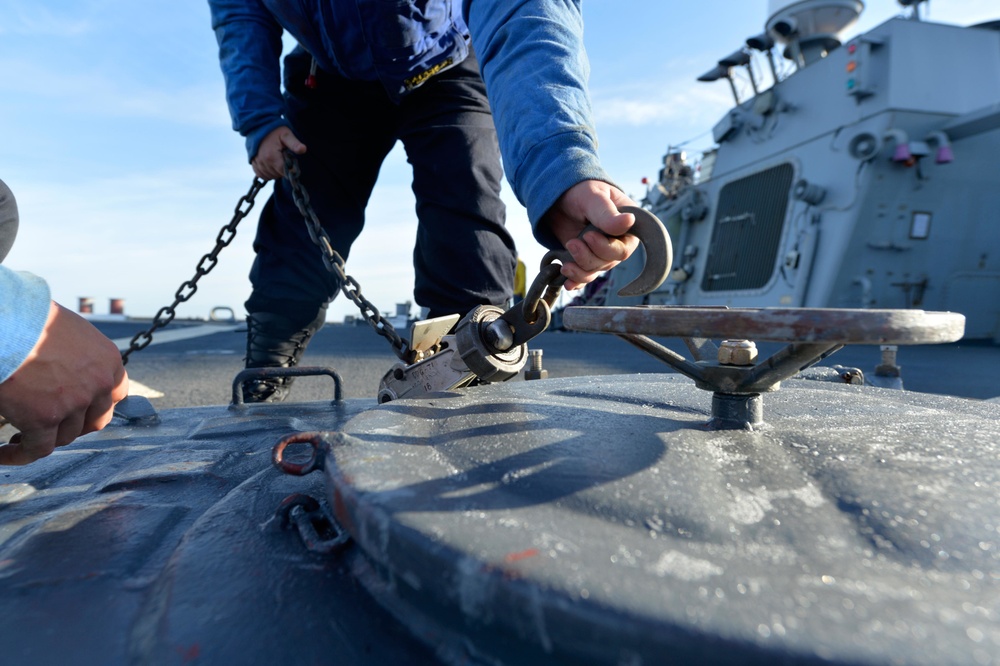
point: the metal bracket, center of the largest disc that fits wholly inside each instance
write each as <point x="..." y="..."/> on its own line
<point x="137" y="411"/>
<point x="319" y="532"/>
<point x="277" y="373"/>
<point x="812" y="334"/>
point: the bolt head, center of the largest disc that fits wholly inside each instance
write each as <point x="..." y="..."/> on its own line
<point x="499" y="335"/>
<point x="737" y="352"/>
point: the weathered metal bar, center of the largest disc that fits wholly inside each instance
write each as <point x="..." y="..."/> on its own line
<point x="670" y="357"/>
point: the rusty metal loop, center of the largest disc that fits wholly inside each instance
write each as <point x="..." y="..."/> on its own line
<point x="315" y="461"/>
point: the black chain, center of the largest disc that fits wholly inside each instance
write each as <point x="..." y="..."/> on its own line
<point x="335" y="264"/>
<point x="331" y="259"/>
<point x="187" y="289"/>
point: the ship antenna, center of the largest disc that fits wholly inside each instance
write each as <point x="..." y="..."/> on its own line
<point x="765" y="44"/>
<point x="721" y="72"/>
<point x="740" y="58"/>
<point x="915" y="7"/>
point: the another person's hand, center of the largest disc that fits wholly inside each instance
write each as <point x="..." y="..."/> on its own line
<point x="594" y="202"/>
<point x="68" y="386"/>
<point x="269" y="162"/>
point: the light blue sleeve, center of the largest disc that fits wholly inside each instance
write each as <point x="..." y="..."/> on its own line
<point x="250" y="56"/>
<point x="24" y="309"/>
<point x="533" y="61"/>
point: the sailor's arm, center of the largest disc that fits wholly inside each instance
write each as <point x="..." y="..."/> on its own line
<point x="535" y="67"/>
<point x="59" y="376"/>
<point x="595" y="202"/>
<point x="250" y="48"/>
<point x="24" y="308"/>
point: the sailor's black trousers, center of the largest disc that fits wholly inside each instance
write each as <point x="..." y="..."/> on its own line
<point x="463" y="255"/>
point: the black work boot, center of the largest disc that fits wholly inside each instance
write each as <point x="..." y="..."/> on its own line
<point x="275" y="341"/>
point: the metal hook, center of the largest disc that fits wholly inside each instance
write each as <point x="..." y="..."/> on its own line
<point x="655" y="241"/>
<point x="522" y="322"/>
<point x="659" y="252"/>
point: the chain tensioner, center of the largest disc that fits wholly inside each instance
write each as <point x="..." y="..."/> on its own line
<point x="490" y="342"/>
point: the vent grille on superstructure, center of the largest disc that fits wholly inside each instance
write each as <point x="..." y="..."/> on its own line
<point x="747" y="231"/>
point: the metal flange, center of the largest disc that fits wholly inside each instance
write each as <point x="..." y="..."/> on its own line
<point x="737" y="378"/>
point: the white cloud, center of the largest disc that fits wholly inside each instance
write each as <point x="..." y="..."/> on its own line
<point x="961" y="12"/>
<point x="136" y="237"/>
<point x="34" y="19"/>
<point x="660" y="104"/>
<point x="93" y="93"/>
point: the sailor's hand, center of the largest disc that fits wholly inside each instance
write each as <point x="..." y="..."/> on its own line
<point x="594" y="202"/>
<point x="269" y="162"/>
<point x="66" y="387"/>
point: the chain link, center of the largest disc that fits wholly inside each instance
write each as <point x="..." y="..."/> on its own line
<point x="545" y="287"/>
<point x="188" y="288"/>
<point x="331" y="259"/>
<point x="335" y="264"/>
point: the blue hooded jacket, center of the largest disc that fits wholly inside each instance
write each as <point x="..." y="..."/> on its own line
<point x="530" y="52"/>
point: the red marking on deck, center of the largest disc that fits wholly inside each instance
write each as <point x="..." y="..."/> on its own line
<point x="522" y="555"/>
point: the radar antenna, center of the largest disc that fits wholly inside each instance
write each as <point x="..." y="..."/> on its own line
<point x="809" y="29"/>
<point x="915" y="5"/>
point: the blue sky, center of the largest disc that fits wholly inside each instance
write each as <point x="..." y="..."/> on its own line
<point x="118" y="145"/>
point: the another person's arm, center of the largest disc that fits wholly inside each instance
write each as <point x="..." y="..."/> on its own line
<point x="533" y="61"/>
<point x="250" y="47"/>
<point x="59" y="376"/>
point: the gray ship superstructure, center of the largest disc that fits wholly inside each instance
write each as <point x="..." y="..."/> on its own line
<point x="866" y="177"/>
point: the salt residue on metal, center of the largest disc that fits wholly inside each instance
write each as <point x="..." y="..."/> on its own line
<point x="640" y="514"/>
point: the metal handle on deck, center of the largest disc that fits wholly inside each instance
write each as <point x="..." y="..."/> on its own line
<point x="276" y="373"/>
